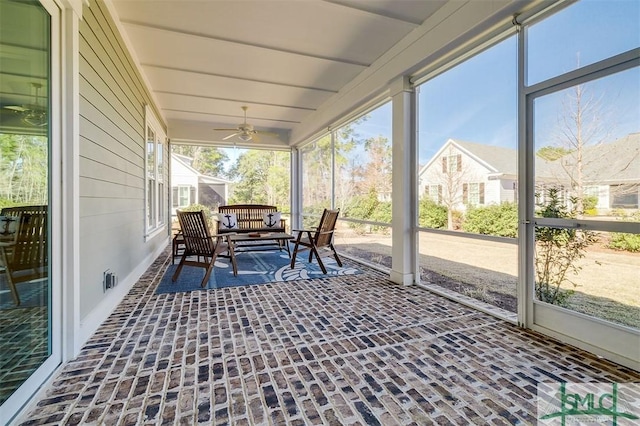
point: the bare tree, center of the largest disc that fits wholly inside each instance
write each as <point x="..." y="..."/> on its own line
<point x="582" y="125"/>
<point x="375" y="173"/>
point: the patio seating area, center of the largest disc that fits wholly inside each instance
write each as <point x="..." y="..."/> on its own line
<point x="346" y="350"/>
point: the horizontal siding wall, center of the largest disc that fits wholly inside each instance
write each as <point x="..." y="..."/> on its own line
<point x="112" y="182"/>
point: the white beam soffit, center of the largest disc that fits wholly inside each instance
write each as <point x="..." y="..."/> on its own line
<point x="284" y="59"/>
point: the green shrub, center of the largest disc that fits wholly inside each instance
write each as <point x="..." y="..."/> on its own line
<point x="557" y="250"/>
<point x="496" y="219"/>
<point x="589" y="202"/>
<point x="368" y="207"/>
<point x="432" y="214"/>
<point x="626" y="242"/>
<point x="207" y="213"/>
<point x="382" y="214"/>
<point x="362" y="206"/>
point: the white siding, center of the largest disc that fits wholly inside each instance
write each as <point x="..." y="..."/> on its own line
<point x="470" y="172"/>
<point x="112" y="198"/>
<point x="508" y="190"/>
<point x="181" y="175"/>
<point x="492" y="192"/>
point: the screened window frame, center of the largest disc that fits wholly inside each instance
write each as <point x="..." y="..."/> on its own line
<point x="154" y="174"/>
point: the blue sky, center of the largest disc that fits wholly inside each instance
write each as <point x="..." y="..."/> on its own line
<point x="476" y="101"/>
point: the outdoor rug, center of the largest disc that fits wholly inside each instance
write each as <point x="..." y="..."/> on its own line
<point x="32" y="293"/>
<point x="259" y="267"/>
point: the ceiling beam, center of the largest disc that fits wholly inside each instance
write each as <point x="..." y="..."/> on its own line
<point x="241" y="101"/>
<point x="296" y="86"/>
<point x="393" y="16"/>
<point x="232" y="116"/>
<point x="255" y="45"/>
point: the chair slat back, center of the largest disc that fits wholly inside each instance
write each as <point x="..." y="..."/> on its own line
<point x="30" y="250"/>
<point x="324" y="234"/>
<point x="197" y="238"/>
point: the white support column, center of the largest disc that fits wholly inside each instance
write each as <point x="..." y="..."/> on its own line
<point x="296" y="189"/>
<point x="403" y="208"/>
<point x="70" y="180"/>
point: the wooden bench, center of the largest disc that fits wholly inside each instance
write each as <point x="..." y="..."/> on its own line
<point x="249" y="218"/>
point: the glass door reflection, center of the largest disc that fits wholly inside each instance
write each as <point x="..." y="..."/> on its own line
<point x="25" y="286"/>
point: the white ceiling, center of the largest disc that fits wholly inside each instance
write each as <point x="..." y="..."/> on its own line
<point x="281" y="58"/>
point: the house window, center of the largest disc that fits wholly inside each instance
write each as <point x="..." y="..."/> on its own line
<point x="155" y="171"/>
<point x="182" y="196"/>
<point x="435" y="193"/>
<point x="473" y="193"/>
<point x="452" y="163"/>
<point x="592" y="191"/>
<point x="624" y="196"/>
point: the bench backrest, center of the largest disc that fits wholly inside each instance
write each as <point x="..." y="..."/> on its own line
<point x="249" y="216"/>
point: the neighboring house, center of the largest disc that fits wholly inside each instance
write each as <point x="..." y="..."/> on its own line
<point x="611" y="172"/>
<point x="465" y="174"/>
<point x="188" y="186"/>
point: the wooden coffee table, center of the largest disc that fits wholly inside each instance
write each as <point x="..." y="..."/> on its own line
<point x="260" y="241"/>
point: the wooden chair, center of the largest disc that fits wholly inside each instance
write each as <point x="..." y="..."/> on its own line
<point x="319" y="238"/>
<point x="177" y="243"/>
<point x="199" y="242"/>
<point x="26" y="257"/>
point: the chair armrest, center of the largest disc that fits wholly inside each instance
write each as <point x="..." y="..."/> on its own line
<point x="303" y="230"/>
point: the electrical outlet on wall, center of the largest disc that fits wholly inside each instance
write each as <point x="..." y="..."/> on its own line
<point x="109" y="280"/>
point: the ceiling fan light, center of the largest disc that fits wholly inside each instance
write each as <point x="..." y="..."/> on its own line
<point x="245" y="137"/>
<point x="36" y="119"/>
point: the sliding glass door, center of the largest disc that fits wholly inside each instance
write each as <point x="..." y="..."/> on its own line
<point x="27" y="345"/>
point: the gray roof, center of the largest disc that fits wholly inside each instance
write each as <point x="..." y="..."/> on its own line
<point x="188" y="162"/>
<point x="613" y="162"/>
<point x="618" y="161"/>
<point x="501" y="159"/>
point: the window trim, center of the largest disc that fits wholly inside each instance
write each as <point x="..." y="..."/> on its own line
<point x="471" y="189"/>
<point x="159" y="221"/>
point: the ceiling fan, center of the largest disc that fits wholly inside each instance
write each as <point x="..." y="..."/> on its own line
<point x="245" y="131"/>
<point x="32" y="114"/>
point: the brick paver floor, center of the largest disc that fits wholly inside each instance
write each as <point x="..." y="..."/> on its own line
<point x="354" y="350"/>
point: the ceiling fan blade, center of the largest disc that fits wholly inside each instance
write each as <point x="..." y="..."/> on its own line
<point x="16" y="108"/>
<point x="230" y="136"/>
<point x="235" y="129"/>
